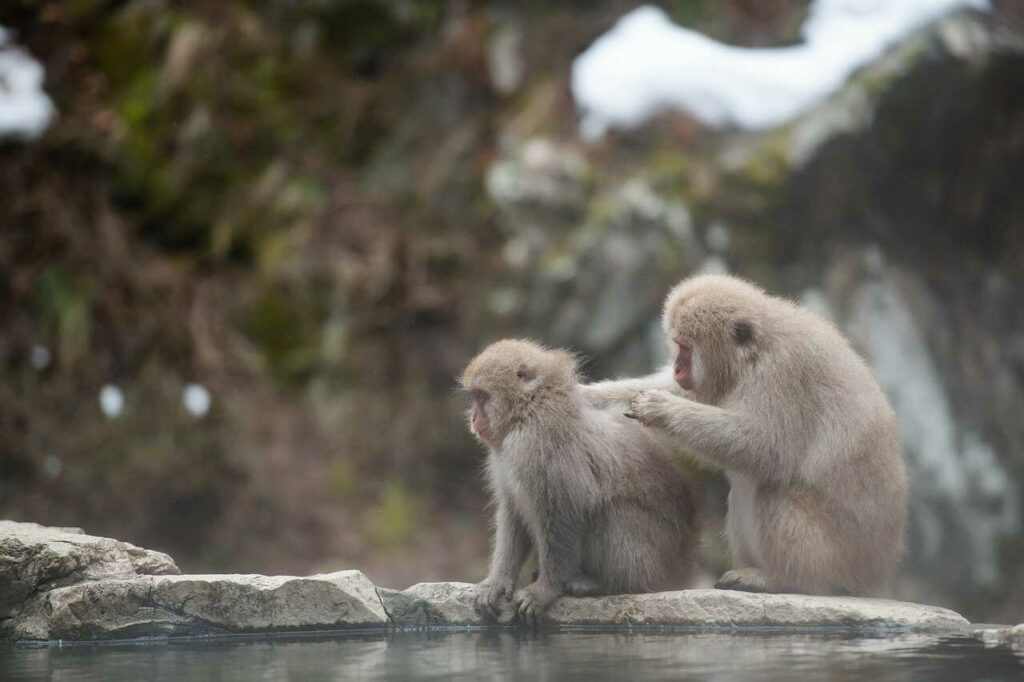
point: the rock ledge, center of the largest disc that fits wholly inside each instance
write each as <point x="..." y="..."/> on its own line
<point x="447" y="604"/>
<point x="60" y="584"/>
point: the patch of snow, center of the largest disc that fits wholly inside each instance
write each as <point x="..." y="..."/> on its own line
<point x="196" y="400"/>
<point x="111" y="401"/>
<point x="52" y="466"/>
<point x="25" y="109"/>
<point x="40" y="357"/>
<point x="646" y="64"/>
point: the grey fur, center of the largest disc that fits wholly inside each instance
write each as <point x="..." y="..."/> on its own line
<point x="598" y="496"/>
<point x="802" y="429"/>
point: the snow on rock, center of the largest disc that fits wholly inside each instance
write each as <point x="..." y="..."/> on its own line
<point x="111" y="401"/>
<point x="25" y="110"/>
<point x="196" y="399"/>
<point x="646" y="64"/>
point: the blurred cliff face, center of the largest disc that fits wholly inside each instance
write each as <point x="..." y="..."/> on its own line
<point x="270" y="236"/>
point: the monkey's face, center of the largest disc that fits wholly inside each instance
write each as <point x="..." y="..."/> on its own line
<point x="683" y="362"/>
<point x="479" y="422"/>
<point x="509" y="382"/>
<point x="711" y="332"/>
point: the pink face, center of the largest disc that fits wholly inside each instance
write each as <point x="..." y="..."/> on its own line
<point x="683" y="365"/>
<point x="478" y="420"/>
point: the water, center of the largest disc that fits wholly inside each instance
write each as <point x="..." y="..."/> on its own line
<point x="590" y="656"/>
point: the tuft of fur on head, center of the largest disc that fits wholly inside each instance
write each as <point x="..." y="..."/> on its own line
<point x="513" y="380"/>
<point x="722" y="318"/>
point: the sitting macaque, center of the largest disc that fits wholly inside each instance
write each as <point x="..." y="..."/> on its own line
<point x="598" y="497"/>
<point x="776" y="397"/>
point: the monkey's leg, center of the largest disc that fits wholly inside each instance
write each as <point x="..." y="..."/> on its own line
<point x="560" y="554"/>
<point x="511" y="547"/>
<point x="583" y="585"/>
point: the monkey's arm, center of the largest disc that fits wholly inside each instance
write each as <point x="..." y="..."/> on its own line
<point x="511" y="547"/>
<point x="620" y="391"/>
<point x="724" y="438"/>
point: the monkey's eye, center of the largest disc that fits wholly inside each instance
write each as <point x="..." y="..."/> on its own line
<point x="479" y="396"/>
<point x="524" y="373"/>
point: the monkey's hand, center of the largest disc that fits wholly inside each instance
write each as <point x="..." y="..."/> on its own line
<point x="532" y="601"/>
<point x="489" y="597"/>
<point x="651" y="408"/>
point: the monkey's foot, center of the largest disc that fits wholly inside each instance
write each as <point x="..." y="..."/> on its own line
<point x="490" y="596"/>
<point x="583" y="586"/>
<point x="532" y="601"/>
<point x="745" y="580"/>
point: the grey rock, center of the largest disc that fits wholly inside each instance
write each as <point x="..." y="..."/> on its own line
<point x="35" y="558"/>
<point x="541" y="175"/>
<point x="433" y="604"/>
<point x="997" y="635"/>
<point x="154" y="606"/>
<point x="452" y="604"/>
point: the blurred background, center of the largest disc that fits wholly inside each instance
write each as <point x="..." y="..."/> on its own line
<point x="245" y="248"/>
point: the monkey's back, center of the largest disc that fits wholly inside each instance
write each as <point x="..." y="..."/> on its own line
<point x="649" y="506"/>
<point x="838" y="442"/>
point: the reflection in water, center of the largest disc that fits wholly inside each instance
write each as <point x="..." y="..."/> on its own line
<point x="587" y="656"/>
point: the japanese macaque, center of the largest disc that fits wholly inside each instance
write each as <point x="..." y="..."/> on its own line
<point x="599" y="497"/>
<point x="776" y="397"/>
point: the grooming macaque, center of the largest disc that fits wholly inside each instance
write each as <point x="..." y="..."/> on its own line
<point x="776" y="397"/>
<point x="597" y="496"/>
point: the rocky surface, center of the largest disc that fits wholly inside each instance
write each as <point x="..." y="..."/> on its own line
<point x="34" y="558"/>
<point x="151" y="606"/>
<point x="433" y="604"/>
<point x="997" y="635"/>
<point x="103" y="591"/>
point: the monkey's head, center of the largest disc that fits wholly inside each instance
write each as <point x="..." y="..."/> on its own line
<point x="713" y="324"/>
<point x="513" y="381"/>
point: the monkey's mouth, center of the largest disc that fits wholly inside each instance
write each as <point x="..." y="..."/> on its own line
<point x="683" y="366"/>
<point x="478" y="421"/>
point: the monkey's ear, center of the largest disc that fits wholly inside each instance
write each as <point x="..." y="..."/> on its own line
<point x="743" y="332"/>
<point x="527" y="376"/>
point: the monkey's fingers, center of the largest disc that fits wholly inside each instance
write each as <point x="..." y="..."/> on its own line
<point x="480" y="604"/>
<point x="485" y="604"/>
<point x="630" y="415"/>
<point x="528" y="612"/>
<point x="493" y="607"/>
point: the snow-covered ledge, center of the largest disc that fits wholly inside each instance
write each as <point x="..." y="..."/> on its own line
<point x="25" y="109"/>
<point x="646" y="64"/>
<point x="58" y="583"/>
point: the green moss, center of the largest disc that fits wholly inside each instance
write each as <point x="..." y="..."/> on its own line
<point x="285" y="326"/>
<point x="65" y="307"/>
<point x="769" y="165"/>
<point x="877" y="78"/>
<point x="392" y="520"/>
<point x="341" y="477"/>
<point x="123" y="48"/>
